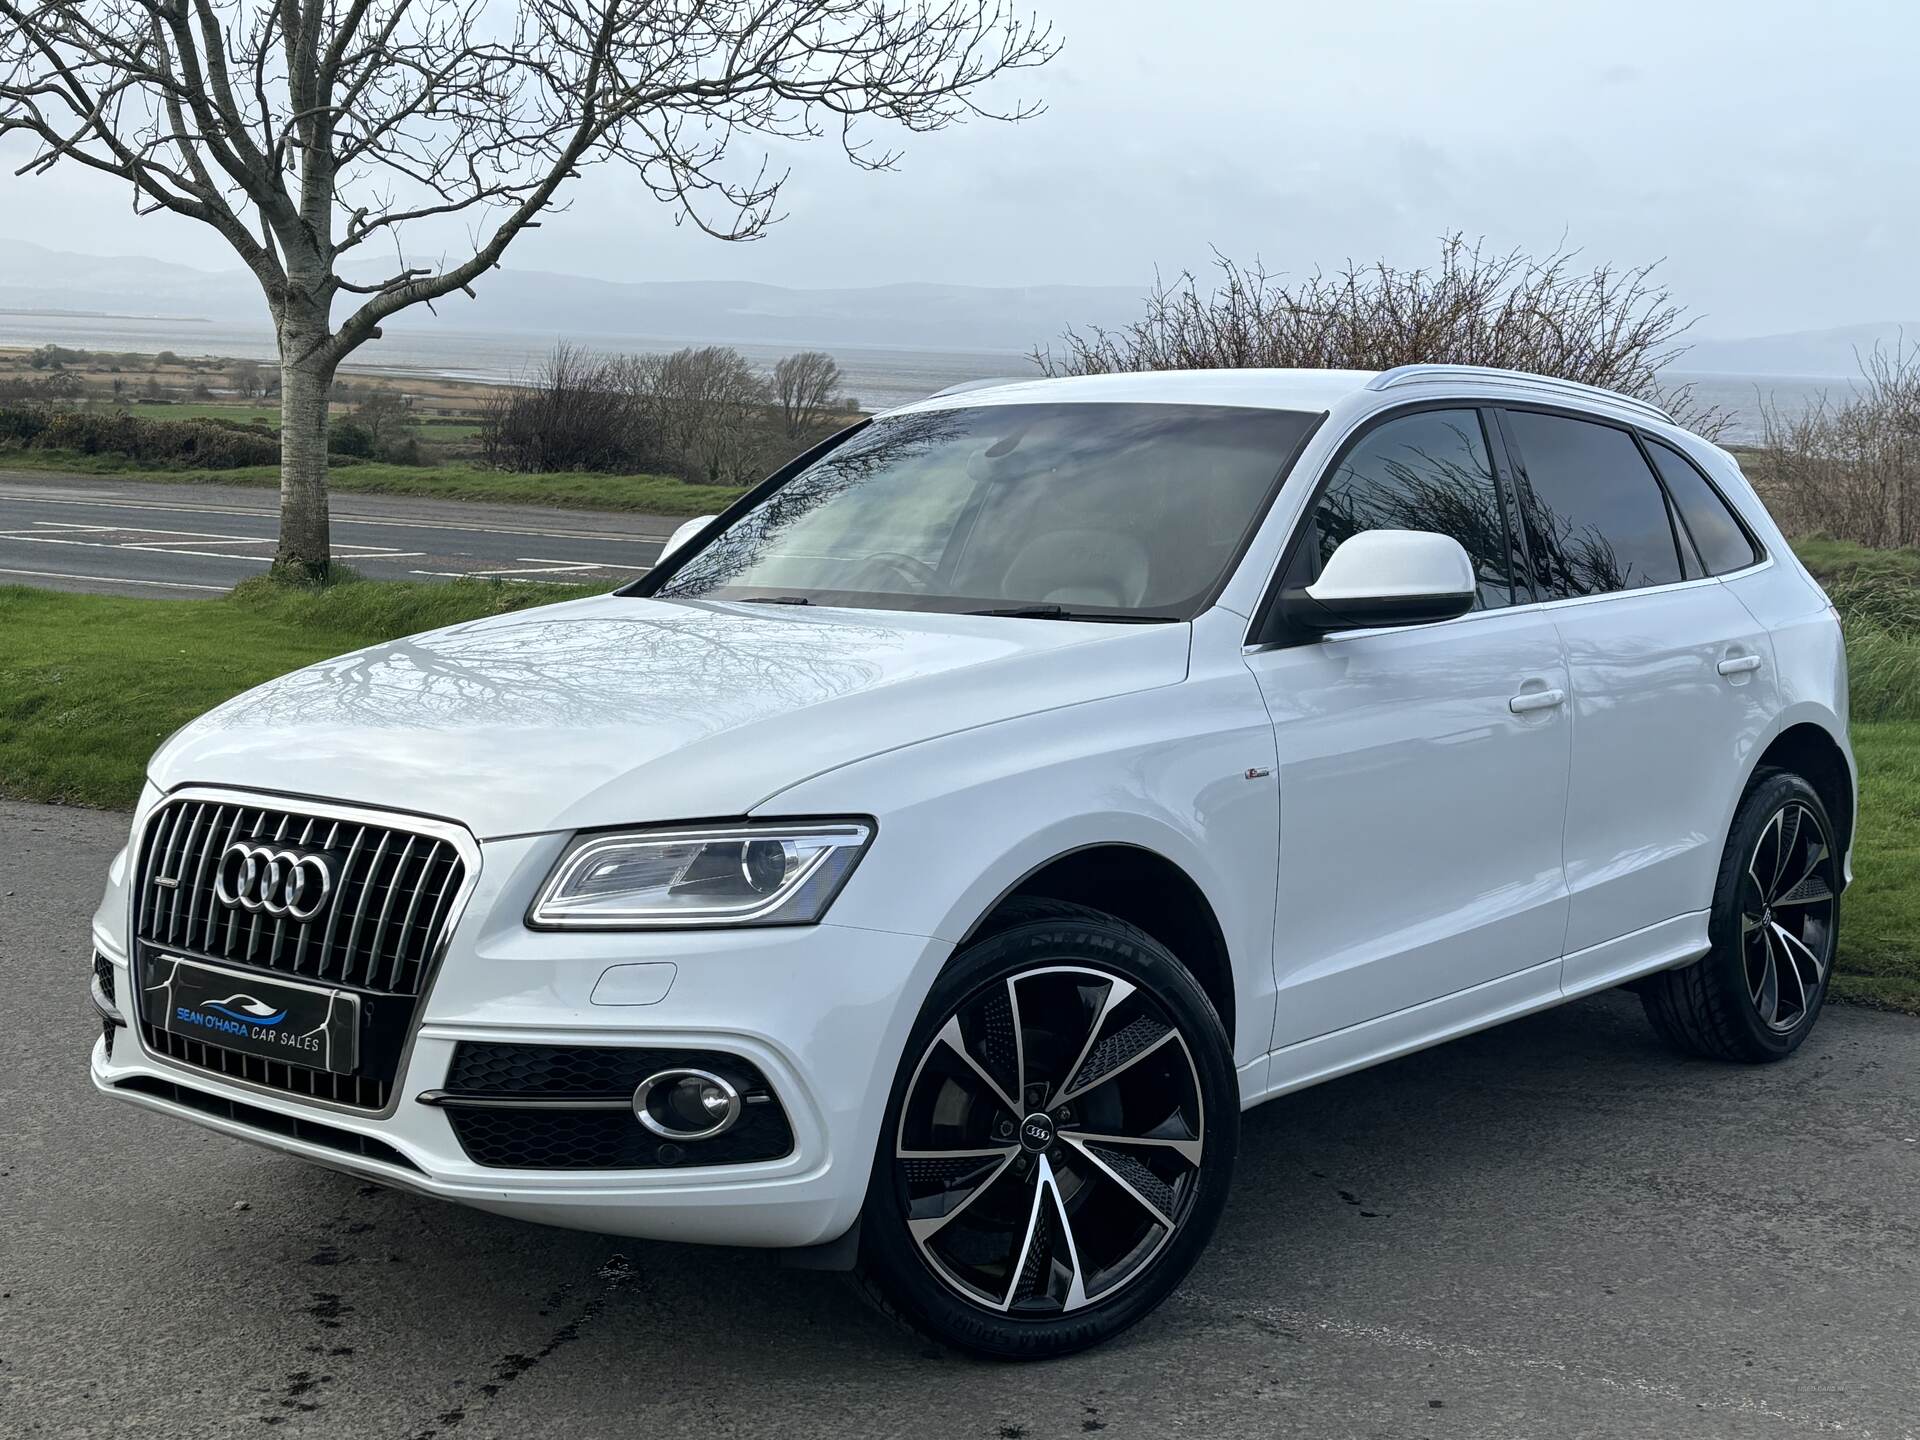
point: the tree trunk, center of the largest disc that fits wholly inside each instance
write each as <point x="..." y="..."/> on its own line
<point x="306" y="550"/>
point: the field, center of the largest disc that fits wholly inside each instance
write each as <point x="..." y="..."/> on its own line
<point x="82" y="703"/>
<point x="445" y="418"/>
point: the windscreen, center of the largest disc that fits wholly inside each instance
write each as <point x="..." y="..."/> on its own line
<point x="1108" y="510"/>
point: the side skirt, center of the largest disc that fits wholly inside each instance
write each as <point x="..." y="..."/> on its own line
<point x="1664" y="946"/>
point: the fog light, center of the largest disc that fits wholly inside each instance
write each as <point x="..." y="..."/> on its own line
<point x="686" y="1104"/>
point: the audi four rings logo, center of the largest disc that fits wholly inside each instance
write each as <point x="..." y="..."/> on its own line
<point x="278" y="882"/>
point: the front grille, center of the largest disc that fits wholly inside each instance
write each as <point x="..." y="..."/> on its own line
<point x="391" y="894"/>
<point x="293" y="1126"/>
<point x="549" y="1136"/>
<point x="103" y="972"/>
<point x="391" y="899"/>
<point x="364" y="1091"/>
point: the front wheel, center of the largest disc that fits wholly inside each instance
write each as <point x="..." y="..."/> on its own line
<point x="1059" y="1140"/>
<point x="1774" y="928"/>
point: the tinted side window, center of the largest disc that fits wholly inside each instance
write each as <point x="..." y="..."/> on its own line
<point x="1599" y="520"/>
<point x="1425" y="471"/>
<point x="1722" y="542"/>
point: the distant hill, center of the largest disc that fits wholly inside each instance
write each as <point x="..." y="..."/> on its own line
<point x="1812" y="353"/>
<point x="926" y="316"/>
<point x="920" y="316"/>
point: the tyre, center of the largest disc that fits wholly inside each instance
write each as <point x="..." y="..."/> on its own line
<point x="1756" y="994"/>
<point x="1058" y="1142"/>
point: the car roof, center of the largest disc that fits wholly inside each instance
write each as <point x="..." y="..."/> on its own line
<point x="1264" y="389"/>
<point x="1311" y="390"/>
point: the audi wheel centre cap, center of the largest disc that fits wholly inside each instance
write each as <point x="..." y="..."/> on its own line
<point x="1036" y="1131"/>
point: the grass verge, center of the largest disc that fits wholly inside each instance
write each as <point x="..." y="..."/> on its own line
<point x="644" y="494"/>
<point x="91" y="684"/>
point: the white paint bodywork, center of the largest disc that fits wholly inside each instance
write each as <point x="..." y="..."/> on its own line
<point x="1394" y="852"/>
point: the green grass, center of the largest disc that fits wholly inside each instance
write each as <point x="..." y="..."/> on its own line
<point x="1878" y="595"/>
<point x="645" y="494"/>
<point x="261" y="414"/>
<point x="91" y="684"/>
<point x="1880" y="920"/>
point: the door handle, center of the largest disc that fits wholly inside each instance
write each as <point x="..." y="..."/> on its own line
<point x="1529" y="700"/>
<point x="1738" y="664"/>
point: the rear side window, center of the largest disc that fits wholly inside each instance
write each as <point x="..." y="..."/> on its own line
<point x="1599" y="521"/>
<point x="1425" y="471"/>
<point x="1717" y="533"/>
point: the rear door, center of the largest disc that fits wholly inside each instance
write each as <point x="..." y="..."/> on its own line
<point x="1423" y="771"/>
<point x="1671" y="682"/>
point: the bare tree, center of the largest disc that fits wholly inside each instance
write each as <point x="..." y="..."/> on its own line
<point x="807" y="386"/>
<point x="704" y="403"/>
<point x="308" y="133"/>
<point x="574" y="411"/>
<point x="243" y="378"/>
<point x="1548" y="314"/>
<point x="387" y="416"/>
<point x="1849" y="470"/>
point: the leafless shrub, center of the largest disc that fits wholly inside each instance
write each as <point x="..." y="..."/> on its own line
<point x="246" y="379"/>
<point x="702" y="413"/>
<point x="1850" y="470"/>
<point x="1549" y="315"/>
<point x="575" y="412"/>
<point x="807" y="386"/>
<point x="706" y="403"/>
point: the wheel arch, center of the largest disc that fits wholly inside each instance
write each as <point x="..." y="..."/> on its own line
<point x="1810" y="749"/>
<point x="1144" y="888"/>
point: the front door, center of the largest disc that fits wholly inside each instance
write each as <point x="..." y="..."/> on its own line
<point x="1423" y="771"/>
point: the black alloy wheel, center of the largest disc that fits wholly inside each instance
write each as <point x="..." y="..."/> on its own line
<point x="1059" y="1141"/>
<point x="1774" y="929"/>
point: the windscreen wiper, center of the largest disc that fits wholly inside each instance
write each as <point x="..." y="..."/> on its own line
<point x="1060" y="612"/>
<point x="776" y="600"/>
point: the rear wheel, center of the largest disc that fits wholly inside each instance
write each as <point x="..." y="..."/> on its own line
<point x="1059" y="1140"/>
<point x="1775" y="924"/>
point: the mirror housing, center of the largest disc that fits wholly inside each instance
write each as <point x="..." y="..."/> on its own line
<point x="682" y="535"/>
<point x="1384" y="577"/>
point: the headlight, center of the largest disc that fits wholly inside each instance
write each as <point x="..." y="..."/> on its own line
<point x="777" y="874"/>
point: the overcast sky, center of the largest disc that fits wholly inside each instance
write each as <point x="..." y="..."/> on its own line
<point x="1767" y="150"/>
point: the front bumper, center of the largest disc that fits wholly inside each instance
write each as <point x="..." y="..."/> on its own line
<point x="823" y="1011"/>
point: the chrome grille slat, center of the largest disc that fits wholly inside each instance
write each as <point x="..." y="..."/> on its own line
<point x="333" y="910"/>
<point x="150" y="892"/>
<point x="160" y="892"/>
<point x="360" y="909"/>
<point x="186" y="851"/>
<point x="386" y="908"/>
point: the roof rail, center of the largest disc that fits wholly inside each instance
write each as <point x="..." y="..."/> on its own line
<point x="1417" y="374"/>
<point x="966" y="385"/>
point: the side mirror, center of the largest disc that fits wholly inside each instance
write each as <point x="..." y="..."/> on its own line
<point x="1385" y="577"/>
<point x="685" y="533"/>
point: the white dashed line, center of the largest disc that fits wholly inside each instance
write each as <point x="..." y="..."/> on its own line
<point x="116" y="580"/>
<point x="610" y="537"/>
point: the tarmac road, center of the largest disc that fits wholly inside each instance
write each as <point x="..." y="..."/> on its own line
<point x="1549" y="1230"/>
<point x="125" y="537"/>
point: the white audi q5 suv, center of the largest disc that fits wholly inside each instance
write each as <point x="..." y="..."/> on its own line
<point x="923" y="866"/>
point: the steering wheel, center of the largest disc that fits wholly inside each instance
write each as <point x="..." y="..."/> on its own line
<point x="918" y="575"/>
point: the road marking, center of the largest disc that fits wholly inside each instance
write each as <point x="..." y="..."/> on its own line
<point x="609" y="537"/>
<point x="117" y="580"/>
<point x="189" y="547"/>
<point x="589" y="564"/>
